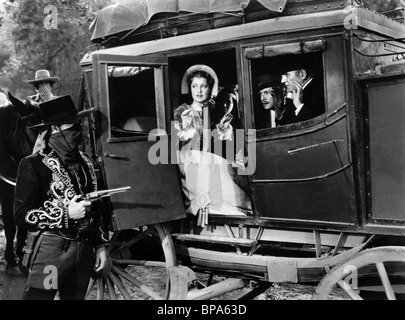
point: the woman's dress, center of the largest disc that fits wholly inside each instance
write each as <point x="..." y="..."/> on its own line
<point x="208" y="180"/>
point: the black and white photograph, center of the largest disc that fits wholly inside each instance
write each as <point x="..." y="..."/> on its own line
<point x="207" y="155"/>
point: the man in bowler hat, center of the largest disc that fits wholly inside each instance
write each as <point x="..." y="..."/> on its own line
<point x="272" y="98"/>
<point x="50" y="201"/>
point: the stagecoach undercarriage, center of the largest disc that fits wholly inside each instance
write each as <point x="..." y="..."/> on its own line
<point x="185" y="266"/>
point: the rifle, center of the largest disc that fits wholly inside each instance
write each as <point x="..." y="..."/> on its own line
<point x="96" y="195"/>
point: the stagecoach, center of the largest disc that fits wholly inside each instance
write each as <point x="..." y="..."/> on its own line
<point x="326" y="193"/>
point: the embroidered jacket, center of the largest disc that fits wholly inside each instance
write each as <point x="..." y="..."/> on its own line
<point x="44" y="190"/>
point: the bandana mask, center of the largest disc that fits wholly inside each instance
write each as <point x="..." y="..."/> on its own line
<point x="66" y="143"/>
<point x="45" y="91"/>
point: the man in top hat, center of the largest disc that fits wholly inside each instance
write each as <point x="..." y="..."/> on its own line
<point x="43" y="84"/>
<point x="302" y="88"/>
<point x="49" y="199"/>
<point x="273" y="101"/>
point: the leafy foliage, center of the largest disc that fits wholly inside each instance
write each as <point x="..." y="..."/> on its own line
<point x="394" y="9"/>
<point x="37" y="46"/>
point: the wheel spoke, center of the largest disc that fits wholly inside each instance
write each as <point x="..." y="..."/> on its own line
<point x="137" y="283"/>
<point x="131" y="242"/>
<point x="118" y="283"/>
<point x="349" y="290"/>
<point x="110" y="287"/>
<point x="140" y="262"/>
<point x="91" y="285"/>
<point x="100" y="289"/>
<point x="134" y="252"/>
<point x="114" y="239"/>
<point x="385" y="281"/>
<point x="362" y="261"/>
<point x="167" y="291"/>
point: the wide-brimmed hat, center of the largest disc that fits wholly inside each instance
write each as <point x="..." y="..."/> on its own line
<point x="43" y="76"/>
<point x="199" y="67"/>
<point x="60" y="110"/>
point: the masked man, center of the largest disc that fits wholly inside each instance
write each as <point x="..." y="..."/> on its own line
<point x="49" y="201"/>
<point x="43" y="84"/>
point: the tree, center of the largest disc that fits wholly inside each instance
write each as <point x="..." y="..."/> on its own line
<point x="394" y="9"/>
<point x="4" y="59"/>
<point x="58" y="48"/>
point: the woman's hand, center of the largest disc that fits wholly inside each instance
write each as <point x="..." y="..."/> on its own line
<point x="186" y="119"/>
<point x="225" y="122"/>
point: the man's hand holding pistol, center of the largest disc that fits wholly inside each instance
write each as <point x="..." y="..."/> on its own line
<point x="96" y="195"/>
<point x="80" y="204"/>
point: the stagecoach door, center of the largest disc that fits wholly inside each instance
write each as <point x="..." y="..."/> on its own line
<point x="131" y="108"/>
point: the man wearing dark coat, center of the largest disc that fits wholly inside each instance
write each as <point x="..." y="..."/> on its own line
<point x="273" y="101"/>
<point x="49" y="200"/>
<point x="304" y="91"/>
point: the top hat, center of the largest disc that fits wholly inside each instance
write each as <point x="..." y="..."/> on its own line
<point x="296" y="62"/>
<point x="60" y="110"/>
<point x="269" y="80"/>
<point x="43" y="76"/>
<point x="199" y="67"/>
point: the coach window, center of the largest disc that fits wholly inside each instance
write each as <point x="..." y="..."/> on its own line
<point x="132" y="100"/>
<point x="277" y="73"/>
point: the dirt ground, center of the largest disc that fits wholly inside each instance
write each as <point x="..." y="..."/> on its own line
<point x="11" y="287"/>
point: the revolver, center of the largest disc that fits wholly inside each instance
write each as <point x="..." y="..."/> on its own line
<point x="96" y="195"/>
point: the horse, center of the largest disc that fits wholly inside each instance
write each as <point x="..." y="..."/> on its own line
<point x="17" y="140"/>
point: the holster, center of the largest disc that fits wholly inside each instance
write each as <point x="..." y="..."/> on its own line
<point x="32" y="239"/>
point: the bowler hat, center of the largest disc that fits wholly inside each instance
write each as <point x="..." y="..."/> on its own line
<point x="60" y="110"/>
<point x="43" y="76"/>
<point x="269" y="80"/>
<point x="199" y="67"/>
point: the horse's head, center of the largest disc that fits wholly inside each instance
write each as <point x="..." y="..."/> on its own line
<point x="23" y="139"/>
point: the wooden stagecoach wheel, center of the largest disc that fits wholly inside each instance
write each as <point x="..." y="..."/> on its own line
<point x="344" y="273"/>
<point x="125" y="280"/>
